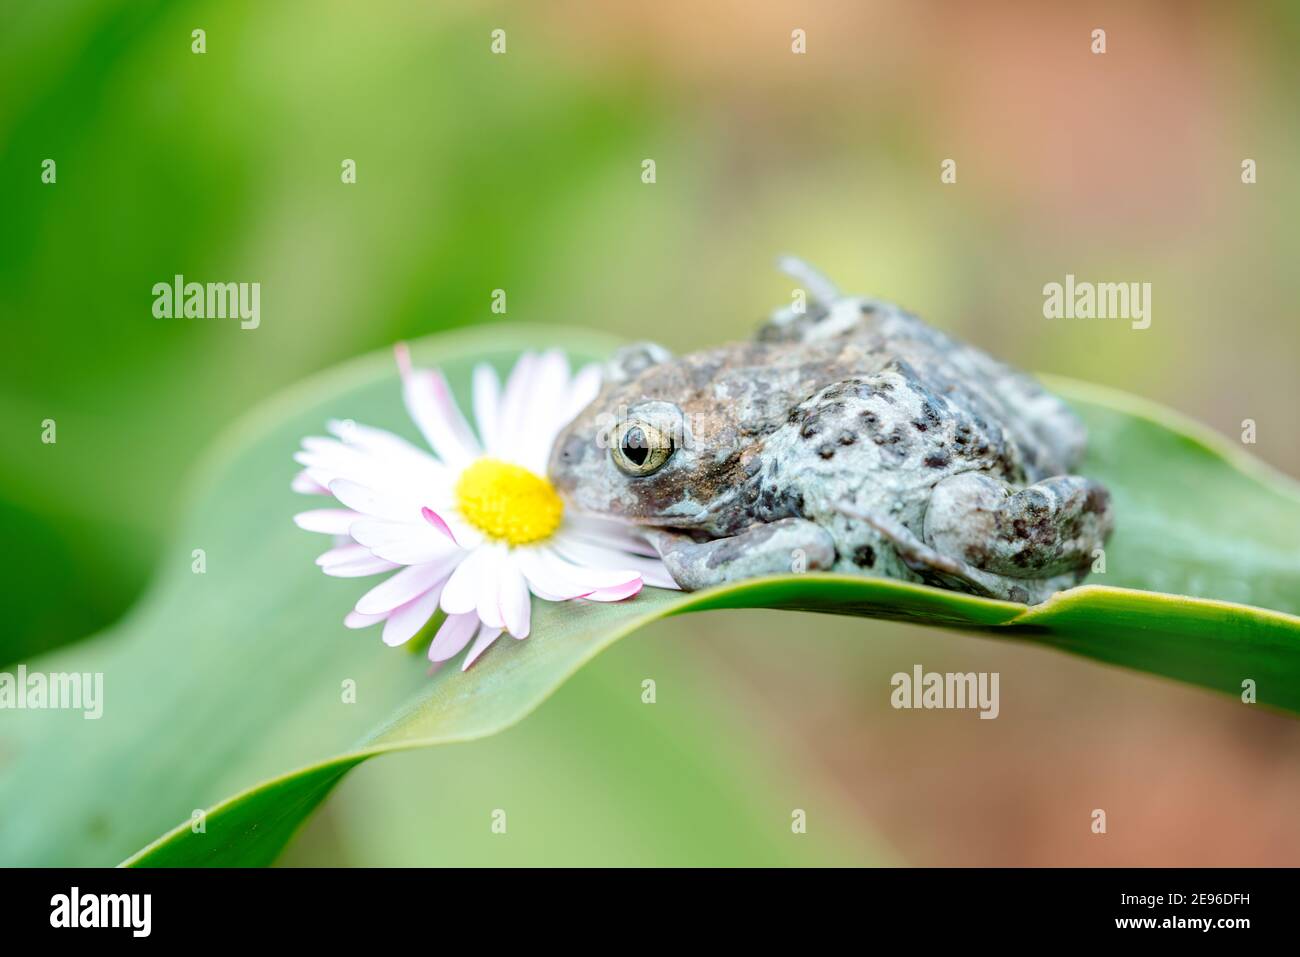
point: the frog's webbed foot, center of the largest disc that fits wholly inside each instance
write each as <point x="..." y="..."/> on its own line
<point x="1053" y="527"/>
<point x="781" y="547"/>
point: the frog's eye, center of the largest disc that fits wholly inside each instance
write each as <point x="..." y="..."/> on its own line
<point x="639" y="448"/>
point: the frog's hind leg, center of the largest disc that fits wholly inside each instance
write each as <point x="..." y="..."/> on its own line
<point x="1053" y="527"/>
<point x="931" y="566"/>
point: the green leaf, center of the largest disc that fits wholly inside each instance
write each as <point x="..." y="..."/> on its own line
<point x="229" y="682"/>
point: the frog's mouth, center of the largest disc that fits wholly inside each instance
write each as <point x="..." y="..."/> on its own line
<point x="695" y="523"/>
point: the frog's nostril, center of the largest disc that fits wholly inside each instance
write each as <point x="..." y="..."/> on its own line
<point x="572" y="450"/>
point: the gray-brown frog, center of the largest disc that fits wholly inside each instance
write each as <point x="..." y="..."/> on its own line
<point x="848" y="436"/>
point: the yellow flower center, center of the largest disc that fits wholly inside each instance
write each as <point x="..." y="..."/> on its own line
<point x="508" y="502"/>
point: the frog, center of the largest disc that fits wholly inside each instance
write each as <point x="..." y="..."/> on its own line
<point x="847" y="436"/>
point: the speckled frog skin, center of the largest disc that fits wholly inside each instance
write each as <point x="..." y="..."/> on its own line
<point x="848" y="437"/>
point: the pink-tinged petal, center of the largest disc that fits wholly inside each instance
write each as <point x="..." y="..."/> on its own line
<point x="355" y="620"/>
<point x="431" y="406"/>
<point x="617" y="593"/>
<point x="514" y="601"/>
<point x="436" y="520"/>
<point x="460" y="595"/>
<point x="352" y="561"/>
<point x="467" y="536"/>
<point x="406" y="621"/>
<point x="379" y="505"/>
<point x="453" y="636"/>
<point x="402" y="353"/>
<point x="399" y="589"/>
<point x="487" y="406"/>
<point x="303" y="484"/>
<point x="330" y="521"/>
<point x="486" y="636"/>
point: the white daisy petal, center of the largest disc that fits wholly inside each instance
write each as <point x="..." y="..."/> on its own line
<point x="460" y="595"/>
<point x="330" y="521"/>
<point x="591" y="579"/>
<point x="380" y="505"/>
<point x="543" y="594"/>
<point x="330" y="459"/>
<point x="304" y="484"/>
<point x="352" y="561"/>
<point x="542" y="580"/>
<point x="599" y="531"/>
<point x="362" y="567"/>
<point x="487" y="405"/>
<point x="420" y="547"/>
<point x="486" y="636"/>
<point x="453" y="636"/>
<point x="514" y="406"/>
<point x="514" y="600"/>
<point x="385" y="443"/>
<point x="541" y="420"/>
<point x="582" y="392"/>
<point x="433" y="408"/>
<point x="371" y="532"/>
<point x="399" y="589"/>
<point x="491" y="573"/>
<point x="355" y="620"/>
<point x="406" y="621"/>
<point x="342" y="553"/>
<point x="575" y="550"/>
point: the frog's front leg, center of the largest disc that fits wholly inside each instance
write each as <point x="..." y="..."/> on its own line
<point x="1050" y="528"/>
<point x="775" y="548"/>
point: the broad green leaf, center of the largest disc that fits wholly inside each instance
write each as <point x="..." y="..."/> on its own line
<point x="223" y="689"/>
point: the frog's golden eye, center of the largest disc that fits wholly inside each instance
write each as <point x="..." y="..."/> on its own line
<point x="639" y="448"/>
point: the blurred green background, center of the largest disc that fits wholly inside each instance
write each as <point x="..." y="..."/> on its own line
<point x="523" y="172"/>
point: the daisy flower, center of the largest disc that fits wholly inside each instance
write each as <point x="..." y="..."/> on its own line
<point x="474" y="528"/>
